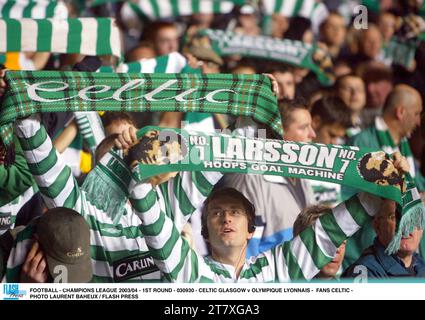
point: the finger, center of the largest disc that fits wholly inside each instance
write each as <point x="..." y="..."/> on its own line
<point x="126" y="136"/>
<point x="36" y="260"/>
<point x="118" y="144"/>
<point x="133" y="135"/>
<point x="123" y="142"/>
<point x="42" y="265"/>
<point x="31" y="254"/>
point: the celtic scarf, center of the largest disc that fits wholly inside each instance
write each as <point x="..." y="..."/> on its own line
<point x="91" y="128"/>
<point x="293" y="8"/>
<point x="165" y="150"/>
<point x="88" y="36"/>
<point x="41" y="91"/>
<point x="400" y="52"/>
<point x="288" y="51"/>
<point x="35" y="9"/>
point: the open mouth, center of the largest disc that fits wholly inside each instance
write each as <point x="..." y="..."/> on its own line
<point x="227" y="230"/>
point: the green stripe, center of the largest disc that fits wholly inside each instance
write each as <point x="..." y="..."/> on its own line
<point x="74" y="36"/>
<point x="278" y="6"/>
<point x="175" y="7"/>
<point x="100" y="253"/>
<point x="216" y="270"/>
<point x="155" y="228"/>
<point x="297" y="8"/>
<point x="201" y="183"/>
<point x="357" y="212"/>
<point x="184" y="253"/>
<point x="103" y="45"/>
<point x="195" y="6"/>
<point x="294" y="270"/>
<point x="332" y="229"/>
<point x="255" y="268"/>
<point x="185" y="205"/>
<point x="73" y="196"/>
<point x="13" y="274"/>
<point x="195" y="267"/>
<point x="216" y="6"/>
<point x="155" y="8"/>
<point x="134" y="67"/>
<point x="161" y="64"/>
<point x="44" y="35"/>
<point x="57" y="187"/>
<point x="308" y="237"/>
<point x="5" y="11"/>
<point x="27" y="13"/>
<point x="130" y="232"/>
<point x="34" y="142"/>
<point x="50" y="10"/>
<point x="13" y="36"/>
<point x="44" y="165"/>
<point x="164" y="252"/>
<point x="2" y="58"/>
<point x="145" y="204"/>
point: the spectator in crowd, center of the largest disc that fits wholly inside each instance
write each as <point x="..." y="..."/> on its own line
<point x="164" y="36"/>
<point x="333" y="32"/>
<point x="374" y="262"/>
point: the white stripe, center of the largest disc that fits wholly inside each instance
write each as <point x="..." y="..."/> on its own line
<point x="206" y="6"/>
<point x="370" y="202"/>
<point x="115" y="39"/>
<point x="112" y="244"/>
<point x="39" y="154"/>
<point x="159" y="241"/>
<point x="19" y="253"/>
<point x="287" y="8"/>
<point x="165" y="9"/>
<point x="122" y="68"/>
<point x="89" y="36"/>
<point x="179" y="219"/>
<point x="268" y="6"/>
<point x="151" y="216"/>
<point x="146" y="8"/>
<point x="176" y="63"/>
<point x="304" y="259"/>
<point x="140" y="190"/>
<point x="61" y="11"/>
<point x="226" y="6"/>
<point x="148" y="65"/>
<point x="59" y="35"/>
<point x="27" y="128"/>
<point x="2" y="3"/>
<point x="29" y="35"/>
<point x="3" y="36"/>
<point x="62" y="196"/>
<point x="307" y="8"/>
<point x="279" y="263"/>
<point x="323" y="241"/>
<point x="347" y="224"/>
<point x="17" y="11"/>
<point x="50" y="176"/>
<point x="185" y="7"/>
<point x="212" y="177"/>
<point x="190" y="189"/>
<point x="39" y="11"/>
<point x="171" y="262"/>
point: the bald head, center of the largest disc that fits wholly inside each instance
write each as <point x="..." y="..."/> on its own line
<point x="402" y="95"/>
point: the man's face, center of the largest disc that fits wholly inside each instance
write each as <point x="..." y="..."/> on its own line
<point x="286" y="82"/>
<point x="372" y="43"/>
<point x="330" y="270"/>
<point x="117" y="127"/>
<point x="385" y="226"/>
<point x="412" y="117"/>
<point x="227" y="223"/>
<point x="377" y="93"/>
<point x="330" y="133"/>
<point x="299" y="128"/>
<point x="334" y="30"/>
<point x="166" y="41"/>
<point x="352" y="92"/>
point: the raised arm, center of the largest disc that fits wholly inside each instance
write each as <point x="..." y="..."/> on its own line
<point x="54" y="179"/>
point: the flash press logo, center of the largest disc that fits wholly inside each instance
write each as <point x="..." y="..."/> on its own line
<point x="11" y="291"/>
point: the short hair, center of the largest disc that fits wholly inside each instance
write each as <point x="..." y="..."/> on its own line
<point x="307" y="217"/>
<point x="288" y="106"/>
<point x="331" y="109"/>
<point x="153" y="29"/>
<point x="375" y="72"/>
<point x="339" y="80"/>
<point x="297" y="27"/>
<point x="234" y="194"/>
<point x="109" y="117"/>
<point x="276" y="66"/>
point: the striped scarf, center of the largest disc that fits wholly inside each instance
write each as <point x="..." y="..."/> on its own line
<point x="91" y="128"/>
<point x="35" y="9"/>
<point x="40" y="91"/>
<point x="161" y="9"/>
<point x="292" y="8"/>
<point x="170" y="63"/>
<point x="287" y="51"/>
<point x="88" y="36"/>
<point x="345" y="165"/>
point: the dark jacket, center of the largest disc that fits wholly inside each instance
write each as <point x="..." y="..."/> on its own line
<point x="381" y="265"/>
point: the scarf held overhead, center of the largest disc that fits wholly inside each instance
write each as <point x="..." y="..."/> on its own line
<point x="35" y="9"/>
<point x="166" y="150"/>
<point x="42" y="91"/>
<point x="88" y="36"/>
<point x="287" y="51"/>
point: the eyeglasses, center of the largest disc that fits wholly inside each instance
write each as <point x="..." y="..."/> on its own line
<point x="218" y="213"/>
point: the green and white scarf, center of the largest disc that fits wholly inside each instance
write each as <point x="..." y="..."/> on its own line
<point x="161" y="9"/>
<point x="41" y="91"/>
<point x="88" y="36"/>
<point x="35" y="9"/>
<point x="287" y="51"/>
<point x="294" y="8"/>
<point x="179" y="150"/>
<point x="91" y="128"/>
<point x="400" y="52"/>
<point x="170" y="63"/>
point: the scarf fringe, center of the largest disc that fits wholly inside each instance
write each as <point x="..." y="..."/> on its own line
<point x="413" y="218"/>
<point x="105" y="195"/>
